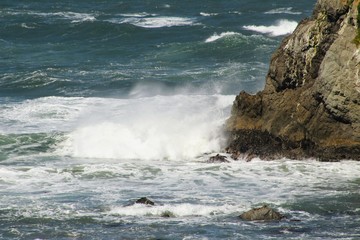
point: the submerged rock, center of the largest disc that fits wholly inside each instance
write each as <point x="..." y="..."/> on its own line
<point x="263" y="213"/>
<point x="310" y="106"/>
<point x="145" y="200"/>
<point x="167" y="214"/>
<point x="218" y="159"/>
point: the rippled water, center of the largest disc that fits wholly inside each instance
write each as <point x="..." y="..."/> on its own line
<point x="103" y="103"/>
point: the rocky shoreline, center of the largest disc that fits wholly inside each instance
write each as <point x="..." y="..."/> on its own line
<point x="310" y="106"/>
<point x="263" y="213"/>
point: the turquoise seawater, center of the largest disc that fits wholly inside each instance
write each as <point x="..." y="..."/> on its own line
<point x="104" y="102"/>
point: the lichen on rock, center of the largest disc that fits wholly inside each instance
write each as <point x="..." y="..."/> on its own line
<point x="310" y="106"/>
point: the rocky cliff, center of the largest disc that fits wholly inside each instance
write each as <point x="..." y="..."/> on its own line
<point x="310" y="106"/>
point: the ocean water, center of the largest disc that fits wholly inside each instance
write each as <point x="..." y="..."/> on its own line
<point x="104" y="102"/>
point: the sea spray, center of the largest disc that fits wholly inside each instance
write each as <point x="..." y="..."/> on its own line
<point x="70" y="67"/>
<point x="160" y="127"/>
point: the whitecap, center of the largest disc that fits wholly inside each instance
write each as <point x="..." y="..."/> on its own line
<point x="282" y="11"/>
<point x="156" y="22"/>
<point x="204" y="14"/>
<point x="282" y="27"/>
<point x="222" y="35"/>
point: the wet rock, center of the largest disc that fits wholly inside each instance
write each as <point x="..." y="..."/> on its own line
<point x="263" y="213"/>
<point x="167" y="214"/>
<point x="309" y="107"/>
<point x="217" y="159"/>
<point x="145" y="200"/>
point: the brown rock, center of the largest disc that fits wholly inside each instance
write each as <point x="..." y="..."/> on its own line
<point x="263" y="213"/>
<point x="310" y="106"/>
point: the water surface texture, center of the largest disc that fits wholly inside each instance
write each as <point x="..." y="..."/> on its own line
<point x="104" y="102"/>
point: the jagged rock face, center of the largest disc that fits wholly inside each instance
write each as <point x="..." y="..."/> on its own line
<point x="310" y="106"/>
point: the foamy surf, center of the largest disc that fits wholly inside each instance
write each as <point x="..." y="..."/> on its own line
<point x="42" y="115"/>
<point x="174" y="210"/>
<point x="282" y="27"/>
<point x="161" y="127"/>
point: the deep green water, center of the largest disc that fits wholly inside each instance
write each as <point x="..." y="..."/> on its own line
<point x="103" y="102"/>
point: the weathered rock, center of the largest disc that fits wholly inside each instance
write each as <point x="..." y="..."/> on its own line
<point x="217" y="159"/>
<point x="145" y="200"/>
<point x="310" y="106"/>
<point x="263" y="213"/>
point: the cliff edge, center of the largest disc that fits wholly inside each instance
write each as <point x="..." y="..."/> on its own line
<point x="310" y="106"/>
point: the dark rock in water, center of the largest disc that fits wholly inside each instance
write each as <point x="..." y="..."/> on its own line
<point x="167" y="214"/>
<point x="145" y="200"/>
<point x="217" y="159"/>
<point x="263" y="213"/>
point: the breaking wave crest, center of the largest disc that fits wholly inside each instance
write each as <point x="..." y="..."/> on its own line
<point x="215" y="37"/>
<point x="161" y="127"/>
<point x="282" y="27"/>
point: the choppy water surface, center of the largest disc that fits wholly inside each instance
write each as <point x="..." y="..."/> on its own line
<point x="103" y="103"/>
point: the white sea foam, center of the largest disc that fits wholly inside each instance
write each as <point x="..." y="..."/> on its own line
<point x="74" y="16"/>
<point x="177" y="210"/>
<point x="21" y="178"/>
<point x="282" y="27"/>
<point x="156" y="22"/>
<point x="204" y="14"/>
<point x="161" y="127"/>
<point x="190" y="191"/>
<point x="41" y="115"/>
<point x="222" y="35"/>
<point x="287" y="10"/>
